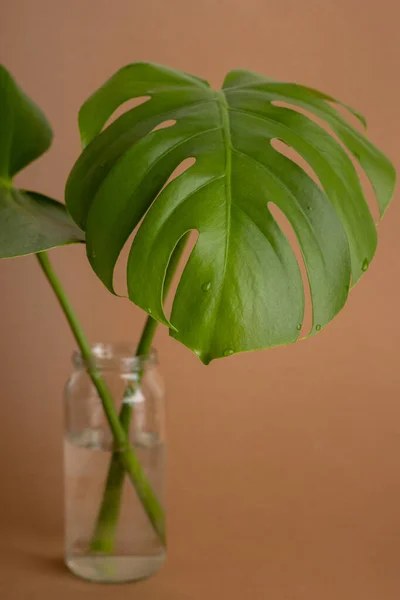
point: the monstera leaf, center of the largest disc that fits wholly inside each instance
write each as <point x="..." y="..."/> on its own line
<point x="29" y="222"/>
<point x="241" y="288"/>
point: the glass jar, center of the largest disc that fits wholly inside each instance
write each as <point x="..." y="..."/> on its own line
<point x="108" y="534"/>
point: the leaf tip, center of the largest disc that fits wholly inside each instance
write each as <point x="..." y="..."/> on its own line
<point x="205" y="358"/>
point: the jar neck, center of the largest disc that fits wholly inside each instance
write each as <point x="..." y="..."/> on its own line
<point x="116" y="357"/>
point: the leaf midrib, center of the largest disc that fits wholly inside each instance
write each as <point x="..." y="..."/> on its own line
<point x="226" y="137"/>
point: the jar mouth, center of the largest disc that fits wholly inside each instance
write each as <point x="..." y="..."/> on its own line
<point x="118" y="355"/>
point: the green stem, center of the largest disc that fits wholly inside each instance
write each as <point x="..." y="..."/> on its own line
<point x="126" y="455"/>
<point x="103" y="539"/>
<point x="107" y="519"/>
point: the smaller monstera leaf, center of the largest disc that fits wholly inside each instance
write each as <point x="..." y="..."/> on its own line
<point x="29" y="222"/>
<point x="241" y="288"/>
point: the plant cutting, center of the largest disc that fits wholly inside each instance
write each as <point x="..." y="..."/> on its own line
<point x="241" y="288"/>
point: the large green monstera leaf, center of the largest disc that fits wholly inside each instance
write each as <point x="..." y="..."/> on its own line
<point x="241" y="288"/>
<point x="29" y="222"/>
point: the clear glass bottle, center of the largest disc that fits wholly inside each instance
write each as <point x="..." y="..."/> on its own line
<point x="128" y="549"/>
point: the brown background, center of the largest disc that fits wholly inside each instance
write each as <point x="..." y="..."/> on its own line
<point x="284" y="466"/>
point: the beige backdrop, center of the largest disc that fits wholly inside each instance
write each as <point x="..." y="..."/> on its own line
<point x="284" y="466"/>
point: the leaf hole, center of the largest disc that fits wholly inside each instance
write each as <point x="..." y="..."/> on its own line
<point x="119" y="276"/>
<point x="305" y="326"/>
<point x="180" y="169"/>
<point x="165" y="124"/>
<point x="126" y="107"/>
<point x="190" y="244"/>
<point x="342" y="110"/>
<point x="281" y="147"/>
<point x="346" y="114"/>
<point x="367" y="189"/>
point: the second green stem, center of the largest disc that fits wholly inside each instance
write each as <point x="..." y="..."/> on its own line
<point x="103" y="539"/>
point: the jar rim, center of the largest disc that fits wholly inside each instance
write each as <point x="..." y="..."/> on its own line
<point x="112" y="355"/>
